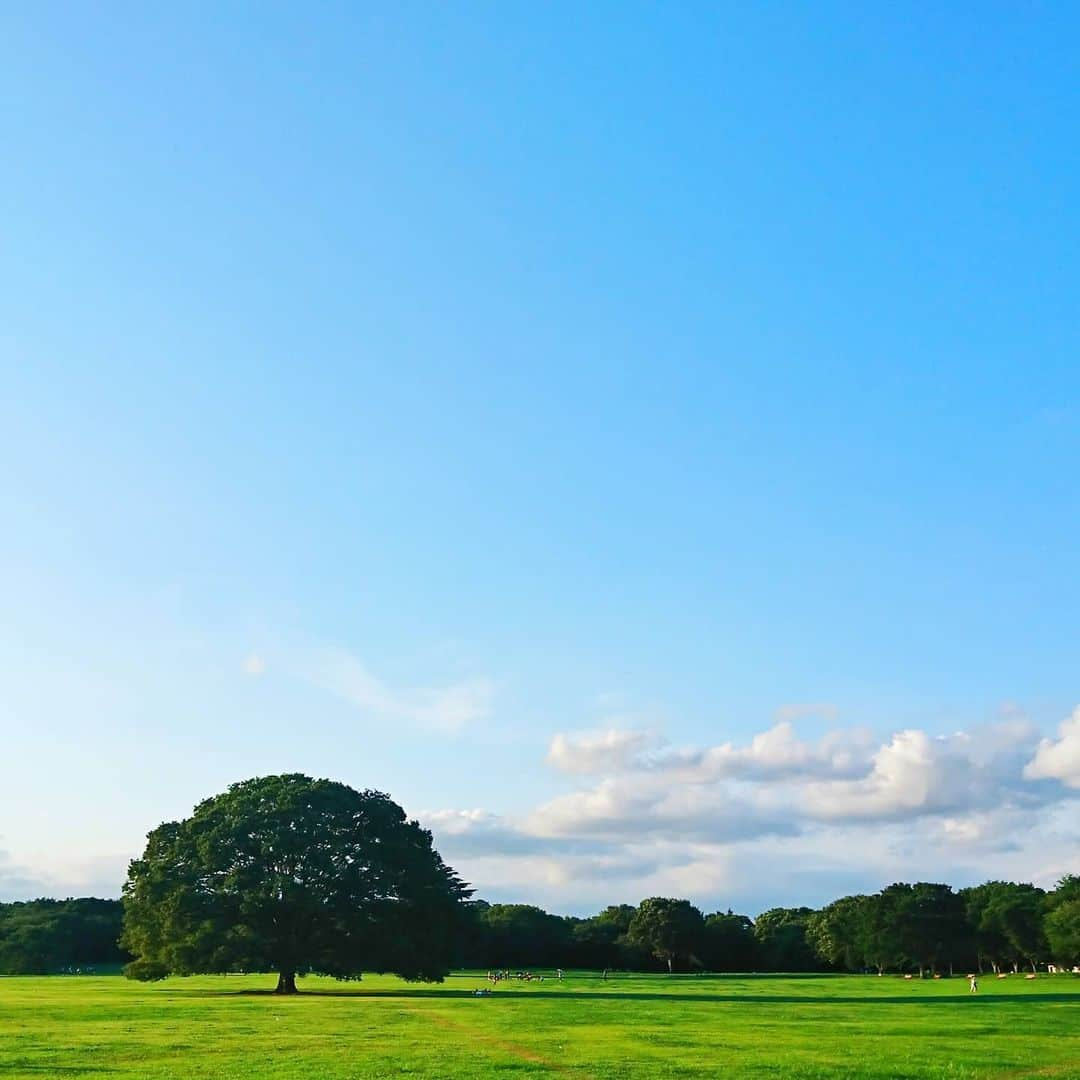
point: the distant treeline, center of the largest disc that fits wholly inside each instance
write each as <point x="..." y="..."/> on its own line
<point x="922" y="927"/>
<point x="40" y="937"/>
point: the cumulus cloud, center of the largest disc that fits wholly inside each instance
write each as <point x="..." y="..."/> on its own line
<point x="509" y="862"/>
<point x="446" y="709"/>
<point x="482" y="833"/>
<point x="844" y="806"/>
<point x="598" y="751"/>
<point x="915" y="774"/>
<point x="987" y="833"/>
<point x="581" y="882"/>
<point x="100" y="875"/>
<point x="634" y="807"/>
<point x="776" y="752"/>
<point x="1059" y="759"/>
<point x="780" y="784"/>
<point x="912" y="773"/>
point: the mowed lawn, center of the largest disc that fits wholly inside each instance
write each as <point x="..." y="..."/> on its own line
<point x="629" y="1026"/>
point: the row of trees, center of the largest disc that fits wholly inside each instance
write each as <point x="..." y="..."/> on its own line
<point x="45" y="936"/>
<point x="657" y="934"/>
<point x="1000" y="925"/>
<point x="923" y="927"/>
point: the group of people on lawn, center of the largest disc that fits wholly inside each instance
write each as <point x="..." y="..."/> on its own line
<point x="496" y="977"/>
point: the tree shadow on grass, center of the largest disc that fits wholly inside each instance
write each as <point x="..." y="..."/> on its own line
<point x="639" y="995"/>
<point x="50" y="1069"/>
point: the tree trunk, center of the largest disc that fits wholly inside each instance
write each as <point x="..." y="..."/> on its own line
<point x="286" y="983"/>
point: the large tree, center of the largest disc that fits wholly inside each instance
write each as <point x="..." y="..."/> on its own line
<point x="836" y="933"/>
<point x="670" y="929"/>
<point x="519" y="935"/>
<point x="1062" y="922"/>
<point x="601" y="941"/>
<point x="919" y="926"/>
<point x="729" y="942"/>
<point x="1007" y="921"/>
<point x="781" y="935"/>
<point x="292" y="875"/>
<point x="939" y="932"/>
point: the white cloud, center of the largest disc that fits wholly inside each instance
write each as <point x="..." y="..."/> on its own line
<point x="778" y="784"/>
<point x="481" y="833"/>
<point x="445" y="709"/>
<point x="774" y="753"/>
<point x="910" y="773"/>
<point x="810" y="818"/>
<point x="637" y="806"/>
<point x="101" y="875"/>
<point x="598" y="751"/>
<point x="778" y="752"/>
<point x="916" y="774"/>
<point x="983" y="832"/>
<point x="1059" y="759"/>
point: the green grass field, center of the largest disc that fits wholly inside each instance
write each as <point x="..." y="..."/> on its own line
<point x="630" y="1026"/>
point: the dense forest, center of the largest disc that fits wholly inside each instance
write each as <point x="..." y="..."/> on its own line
<point x="925" y="928"/>
<point x="45" y="936"/>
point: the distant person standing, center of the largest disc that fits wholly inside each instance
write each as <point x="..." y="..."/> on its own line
<point x="974" y="981"/>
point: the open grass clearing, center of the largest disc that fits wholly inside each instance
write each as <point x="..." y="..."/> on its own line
<point x="628" y="1026"/>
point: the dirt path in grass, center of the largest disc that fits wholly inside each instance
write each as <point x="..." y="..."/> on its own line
<point x="493" y="1042"/>
<point x="1069" y="1068"/>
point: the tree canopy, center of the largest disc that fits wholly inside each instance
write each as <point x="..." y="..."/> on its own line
<point x="781" y="935"/>
<point x="836" y="933"/>
<point x="672" y="930"/>
<point x="293" y="875"/>
<point x="729" y="943"/>
<point x="1062" y="922"/>
<point x="1007" y="922"/>
<point x="43" y="937"/>
<point x="517" y="935"/>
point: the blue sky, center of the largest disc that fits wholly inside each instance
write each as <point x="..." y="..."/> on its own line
<point x="511" y="407"/>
